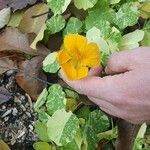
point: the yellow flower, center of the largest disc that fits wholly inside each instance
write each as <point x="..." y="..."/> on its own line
<point x="77" y="56"/>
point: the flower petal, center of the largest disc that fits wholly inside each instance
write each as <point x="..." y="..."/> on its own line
<point x="91" y="56"/>
<point x="63" y="57"/>
<point x="69" y="70"/>
<point x="82" y="72"/>
<point x="74" y="42"/>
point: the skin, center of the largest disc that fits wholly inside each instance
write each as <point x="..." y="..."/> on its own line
<point x="125" y="92"/>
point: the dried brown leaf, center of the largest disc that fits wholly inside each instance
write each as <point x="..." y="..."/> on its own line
<point x="29" y="24"/>
<point x="30" y="79"/>
<point x="11" y="39"/>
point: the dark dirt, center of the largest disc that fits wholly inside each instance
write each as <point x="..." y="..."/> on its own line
<point x="16" y="114"/>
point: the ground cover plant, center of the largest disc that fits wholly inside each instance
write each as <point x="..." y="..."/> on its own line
<point x="37" y="39"/>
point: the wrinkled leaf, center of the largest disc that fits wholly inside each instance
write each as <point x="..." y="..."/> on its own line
<point x="30" y="79"/>
<point x="41" y="130"/>
<point x="4" y="17"/>
<point x="56" y="99"/>
<point x="29" y="24"/>
<point x="42" y="146"/>
<point x="62" y="127"/>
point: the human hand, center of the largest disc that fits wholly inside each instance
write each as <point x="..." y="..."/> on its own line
<point x="125" y="92"/>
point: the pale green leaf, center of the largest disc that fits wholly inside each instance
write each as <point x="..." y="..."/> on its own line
<point x="94" y="35"/>
<point x="114" y="1"/>
<point x="62" y="127"/>
<point x="74" y="25"/>
<point x="58" y="6"/>
<point x="39" y="37"/>
<point x="50" y="63"/>
<point x="41" y="99"/>
<point x="56" y="99"/>
<point x="4" y="16"/>
<point x="15" y="18"/>
<point x="3" y="145"/>
<point x="41" y="146"/>
<point x="130" y="40"/>
<point x="41" y="131"/>
<point x="84" y="4"/>
<point x="55" y="24"/>
<point x="127" y="15"/>
<point x="146" y="39"/>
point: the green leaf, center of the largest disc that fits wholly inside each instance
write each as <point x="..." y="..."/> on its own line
<point x="3" y="145"/>
<point x="62" y="127"/>
<point x="4" y="16"/>
<point x="98" y="121"/>
<point x="90" y="138"/>
<point x="71" y="94"/>
<point x="83" y="112"/>
<point x="41" y="130"/>
<point x="114" y="39"/>
<point x="106" y="14"/>
<point x="50" y="63"/>
<point x="84" y="4"/>
<point x="56" y="99"/>
<point x="74" y="25"/>
<point x="58" y="6"/>
<point x="130" y="40"/>
<point x="41" y="146"/>
<point x="126" y="16"/>
<point x="102" y="25"/>
<point x="55" y="24"/>
<point x="42" y="116"/>
<point x="75" y="144"/>
<point x="114" y="1"/>
<point x="41" y="99"/>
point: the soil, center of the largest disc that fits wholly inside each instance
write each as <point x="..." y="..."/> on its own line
<point x="16" y="114"/>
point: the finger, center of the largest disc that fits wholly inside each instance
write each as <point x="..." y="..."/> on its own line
<point x="107" y="88"/>
<point x="119" y="62"/>
<point x="95" y="71"/>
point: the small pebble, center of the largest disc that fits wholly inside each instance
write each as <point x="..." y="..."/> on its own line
<point x="6" y="119"/>
<point x="6" y="113"/>
<point x="15" y="112"/>
<point x="31" y="127"/>
<point x="28" y="114"/>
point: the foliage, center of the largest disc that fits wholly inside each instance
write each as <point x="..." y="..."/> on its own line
<point x="49" y="33"/>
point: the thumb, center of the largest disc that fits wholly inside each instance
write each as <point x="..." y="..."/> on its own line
<point x="119" y="62"/>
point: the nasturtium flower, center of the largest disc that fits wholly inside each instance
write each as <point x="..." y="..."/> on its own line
<point x="77" y="55"/>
